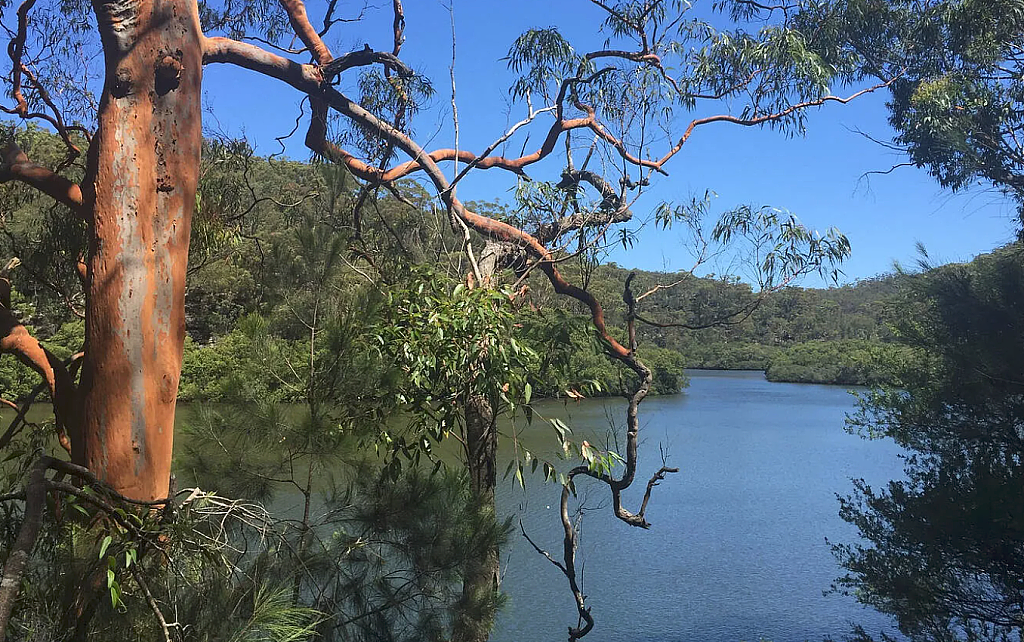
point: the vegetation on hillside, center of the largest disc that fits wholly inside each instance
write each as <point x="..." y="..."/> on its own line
<point x="236" y="272"/>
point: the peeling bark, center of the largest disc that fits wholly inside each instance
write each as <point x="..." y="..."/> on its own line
<point x="139" y="194"/>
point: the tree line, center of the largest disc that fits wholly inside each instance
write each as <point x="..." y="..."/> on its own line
<point x="826" y="335"/>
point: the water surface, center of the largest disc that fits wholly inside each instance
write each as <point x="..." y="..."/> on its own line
<point x="737" y="549"/>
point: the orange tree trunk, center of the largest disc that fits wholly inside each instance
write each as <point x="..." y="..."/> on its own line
<point x="139" y="193"/>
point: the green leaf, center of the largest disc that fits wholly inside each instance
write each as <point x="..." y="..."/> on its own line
<point x="527" y="392"/>
<point x="104" y="546"/>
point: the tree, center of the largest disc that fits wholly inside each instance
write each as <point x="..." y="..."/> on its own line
<point x="662" y="70"/>
<point x="381" y="558"/>
<point x="944" y="547"/>
<point x="956" y="102"/>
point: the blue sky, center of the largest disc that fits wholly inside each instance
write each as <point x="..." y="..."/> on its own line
<point x="821" y="177"/>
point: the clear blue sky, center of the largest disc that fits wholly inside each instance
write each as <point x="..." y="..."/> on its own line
<point x="819" y="177"/>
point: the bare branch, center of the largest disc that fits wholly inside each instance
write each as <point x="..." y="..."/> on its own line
<point x="21" y="550"/>
<point x="364" y="58"/>
<point x="15" y="165"/>
<point x="767" y="118"/>
<point x="151" y="601"/>
<point x="296" y="10"/>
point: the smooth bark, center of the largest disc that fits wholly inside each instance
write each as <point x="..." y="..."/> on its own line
<point x="138" y="196"/>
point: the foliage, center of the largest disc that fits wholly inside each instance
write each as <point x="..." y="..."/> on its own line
<point x="943" y="548"/>
<point x="848" y="362"/>
<point x="449" y="344"/>
<point x="958" y="98"/>
<point x="377" y="552"/>
<point x="295" y="321"/>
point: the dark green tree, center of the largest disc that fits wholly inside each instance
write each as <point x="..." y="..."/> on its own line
<point x="944" y="548"/>
<point x="957" y="103"/>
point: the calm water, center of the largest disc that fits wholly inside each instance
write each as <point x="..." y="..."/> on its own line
<point x="737" y="549"/>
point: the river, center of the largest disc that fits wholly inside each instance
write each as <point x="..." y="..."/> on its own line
<point x="737" y="549"/>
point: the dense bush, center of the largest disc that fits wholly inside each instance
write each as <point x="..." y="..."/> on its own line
<point x="849" y="362"/>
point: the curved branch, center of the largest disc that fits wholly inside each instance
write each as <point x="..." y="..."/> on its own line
<point x="21" y="550"/>
<point x="16" y="52"/>
<point x="15" y="339"/>
<point x="766" y="118"/>
<point x="296" y="10"/>
<point x="310" y="79"/>
<point x="306" y="78"/>
<point x="15" y="165"/>
<point x="613" y="208"/>
<point x="364" y="58"/>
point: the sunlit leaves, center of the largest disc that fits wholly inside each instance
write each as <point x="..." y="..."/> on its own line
<point x="450" y="343"/>
<point x="543" y="58"/>
<point x="396" y="98"/>
<point x="958" y="98"/>
<point x="773" y="243"/>
<point x="770" y="70"/>
<point x="782" y="247"/>
<point x="241" y="18"/>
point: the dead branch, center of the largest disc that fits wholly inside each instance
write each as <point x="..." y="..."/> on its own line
<point x="151" y="601"/>
<point x="364" y="58"/>
<point x="21" y="550"/>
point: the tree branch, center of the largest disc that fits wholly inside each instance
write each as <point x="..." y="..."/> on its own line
<point x="15" y="339"/>
<point x="15" y="165"/>
<point x="766" y="118"/>
<point x="296" y="10"/>
<point x="364" y="58"/>
<point x="21" y="550"/>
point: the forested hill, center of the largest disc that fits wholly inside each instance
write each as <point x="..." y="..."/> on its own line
<point x="259" y="221"/>
<point x="831" y="335"/>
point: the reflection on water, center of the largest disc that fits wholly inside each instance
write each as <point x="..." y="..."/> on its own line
<point x="737" y="550"/>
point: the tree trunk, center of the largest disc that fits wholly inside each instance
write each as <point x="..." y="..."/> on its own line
<point x="139" y="194"/>
<point x="480" y="577"/>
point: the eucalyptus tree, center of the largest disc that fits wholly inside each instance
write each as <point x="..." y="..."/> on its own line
<point x="956" y="103"/>
<point x="617" y="113"/>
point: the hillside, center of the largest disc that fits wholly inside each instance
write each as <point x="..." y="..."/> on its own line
<point x="251" y="213"/>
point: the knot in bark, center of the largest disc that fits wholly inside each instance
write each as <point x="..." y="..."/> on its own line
<point x="168" y="74"/>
